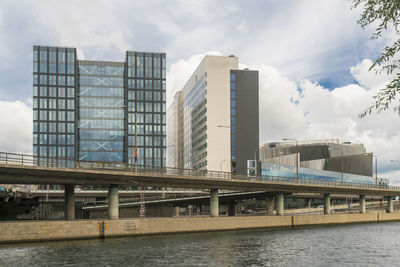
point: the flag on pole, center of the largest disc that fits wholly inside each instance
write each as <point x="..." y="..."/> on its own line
<point x="135" y="153"/>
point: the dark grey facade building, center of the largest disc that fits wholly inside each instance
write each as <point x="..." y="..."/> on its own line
<point x="329" y="155"/>
<point x="244" y="118"/>
<point x="99" y="111"/>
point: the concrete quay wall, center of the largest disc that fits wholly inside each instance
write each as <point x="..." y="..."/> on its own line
<point x="86" y="229"/>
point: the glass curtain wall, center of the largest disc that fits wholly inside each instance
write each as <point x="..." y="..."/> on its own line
<point x="101" y="111"/>
<point x="54" y="86"/>
<point x="146" y="87"/>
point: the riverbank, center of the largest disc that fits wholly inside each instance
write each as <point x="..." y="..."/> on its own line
<point x="32" y="231"/>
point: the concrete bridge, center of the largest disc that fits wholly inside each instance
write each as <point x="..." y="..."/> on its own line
<point x="23" y="169"/>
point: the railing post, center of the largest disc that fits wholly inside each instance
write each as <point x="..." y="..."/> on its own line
<point x="22" y="160"/>
<point x="6" y="158"/>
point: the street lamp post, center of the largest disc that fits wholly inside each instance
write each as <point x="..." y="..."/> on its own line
<point x="297" y="151"/>
<point x="376" y="169"/>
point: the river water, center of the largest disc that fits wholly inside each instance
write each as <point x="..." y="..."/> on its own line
<point x="347" y="245"/>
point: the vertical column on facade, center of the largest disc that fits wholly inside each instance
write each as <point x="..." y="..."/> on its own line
<point x="270" y="202"/>
<point x="280" y="203"/>
<point x="389" y="208"/>
<point x="362" y="203"/>
<point x="69" y="196"/>
<point x="214" y="209"/>
<point x="308" y="203"/>
<point x="177" y="211"/>
<point x="327" y="203"/>
<point x="113" y="209"/>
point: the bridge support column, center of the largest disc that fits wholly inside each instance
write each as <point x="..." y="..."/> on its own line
<point x="308" y="203"/>
<point x="177" y="211"/>
<point x="270" y="202"/>
<point x="231" y="209"/>
<point x="280" y="204"/>
<point x="389" y="208"/>
<point x="327" y="203"/>
<point x="113" y="209"/>
<point x="69" y="196"/>
<point x="362" y="203"/>
<point x="214" y="211"/>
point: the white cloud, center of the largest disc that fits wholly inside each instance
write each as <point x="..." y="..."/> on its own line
<point x="242" y="27"/>
<point x="15" y="127"/>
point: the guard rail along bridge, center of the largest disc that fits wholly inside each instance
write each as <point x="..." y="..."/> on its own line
<point x="28" y="169"/>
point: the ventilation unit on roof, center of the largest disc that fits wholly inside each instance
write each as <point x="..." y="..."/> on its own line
<point x="231" y="55"/>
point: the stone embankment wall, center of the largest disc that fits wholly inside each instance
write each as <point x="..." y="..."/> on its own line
<point x="85" y="229"/>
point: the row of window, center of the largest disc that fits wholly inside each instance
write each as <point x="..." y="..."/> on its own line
<point x="60" y="92"/>
<point x="142" y="59"/>
<point x="53" y="68"/>
<point x="149" y="72"/>
<point x="146" y="140"/>
<point x="233" y="115"/>
<point x="146" y="107"/>
<point x="147" y="152"/>
<point x="53" y="103"/>
<point x="97" y="145"/>
<point x="101" y="91"/>
<point x="146" y="95"/>
<point x="146" y="118"/>
<point x="101" y="81"/>
<point x="107" y="102"/>
<point x="44" y="79"/>
<point x="100" y="69"/>
<point x="40" y="53"/>
<point x="96" y="113"/>
<point x="54" y="151"/>
<point x="151" y="129"/>
<point x="54" y="139"/>
<point x="53" y="127"/>
<point x="53" y="115"/>
<point x="200" y="165"/>
<point x="146" y="84"/>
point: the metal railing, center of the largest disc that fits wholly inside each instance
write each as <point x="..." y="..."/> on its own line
<point x="58" y="162"/>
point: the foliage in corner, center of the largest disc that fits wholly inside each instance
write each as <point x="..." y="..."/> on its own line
<point x="386" y="13"/>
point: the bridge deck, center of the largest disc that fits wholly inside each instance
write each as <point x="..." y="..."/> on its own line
<point x="22" y="174"/>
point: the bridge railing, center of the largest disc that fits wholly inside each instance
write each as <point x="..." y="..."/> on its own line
<point x="54" y="162"/>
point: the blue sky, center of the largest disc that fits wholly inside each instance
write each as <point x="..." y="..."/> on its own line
<point x="312" y="56"/>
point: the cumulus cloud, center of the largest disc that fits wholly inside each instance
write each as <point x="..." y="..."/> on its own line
<point x="16" y="127"/>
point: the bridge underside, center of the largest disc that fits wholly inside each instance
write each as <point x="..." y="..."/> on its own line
<point x="44" y="175"/>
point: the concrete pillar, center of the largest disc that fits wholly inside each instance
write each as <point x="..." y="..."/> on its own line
<point x="190" y="210"/>
<point x="280" y="204"/>
<point x="270" y="205"/>
<point x="177" y="211"/>
<point x="69" y="196"/>
<point x="327" y="203"/>
<point x="231" y="209"/>
<point x="389" y="208"/>
<point x="239" y="206"/>
<point x="362" y="203"/>
<point x="214" y="211"/>
<point x="113" y="209"/>
<point x="308" y="203"/>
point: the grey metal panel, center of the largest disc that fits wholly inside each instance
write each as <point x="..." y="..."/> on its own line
<point x="247" y="117"/>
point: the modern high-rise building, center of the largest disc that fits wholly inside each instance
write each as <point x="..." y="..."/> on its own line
<point x="219" y="121"/>
<point x="97" y="110"/>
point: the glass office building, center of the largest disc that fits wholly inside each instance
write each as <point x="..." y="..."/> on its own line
<point x="98" y="111"/>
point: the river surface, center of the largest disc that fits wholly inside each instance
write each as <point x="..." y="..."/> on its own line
<point x="347" y="245"/>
